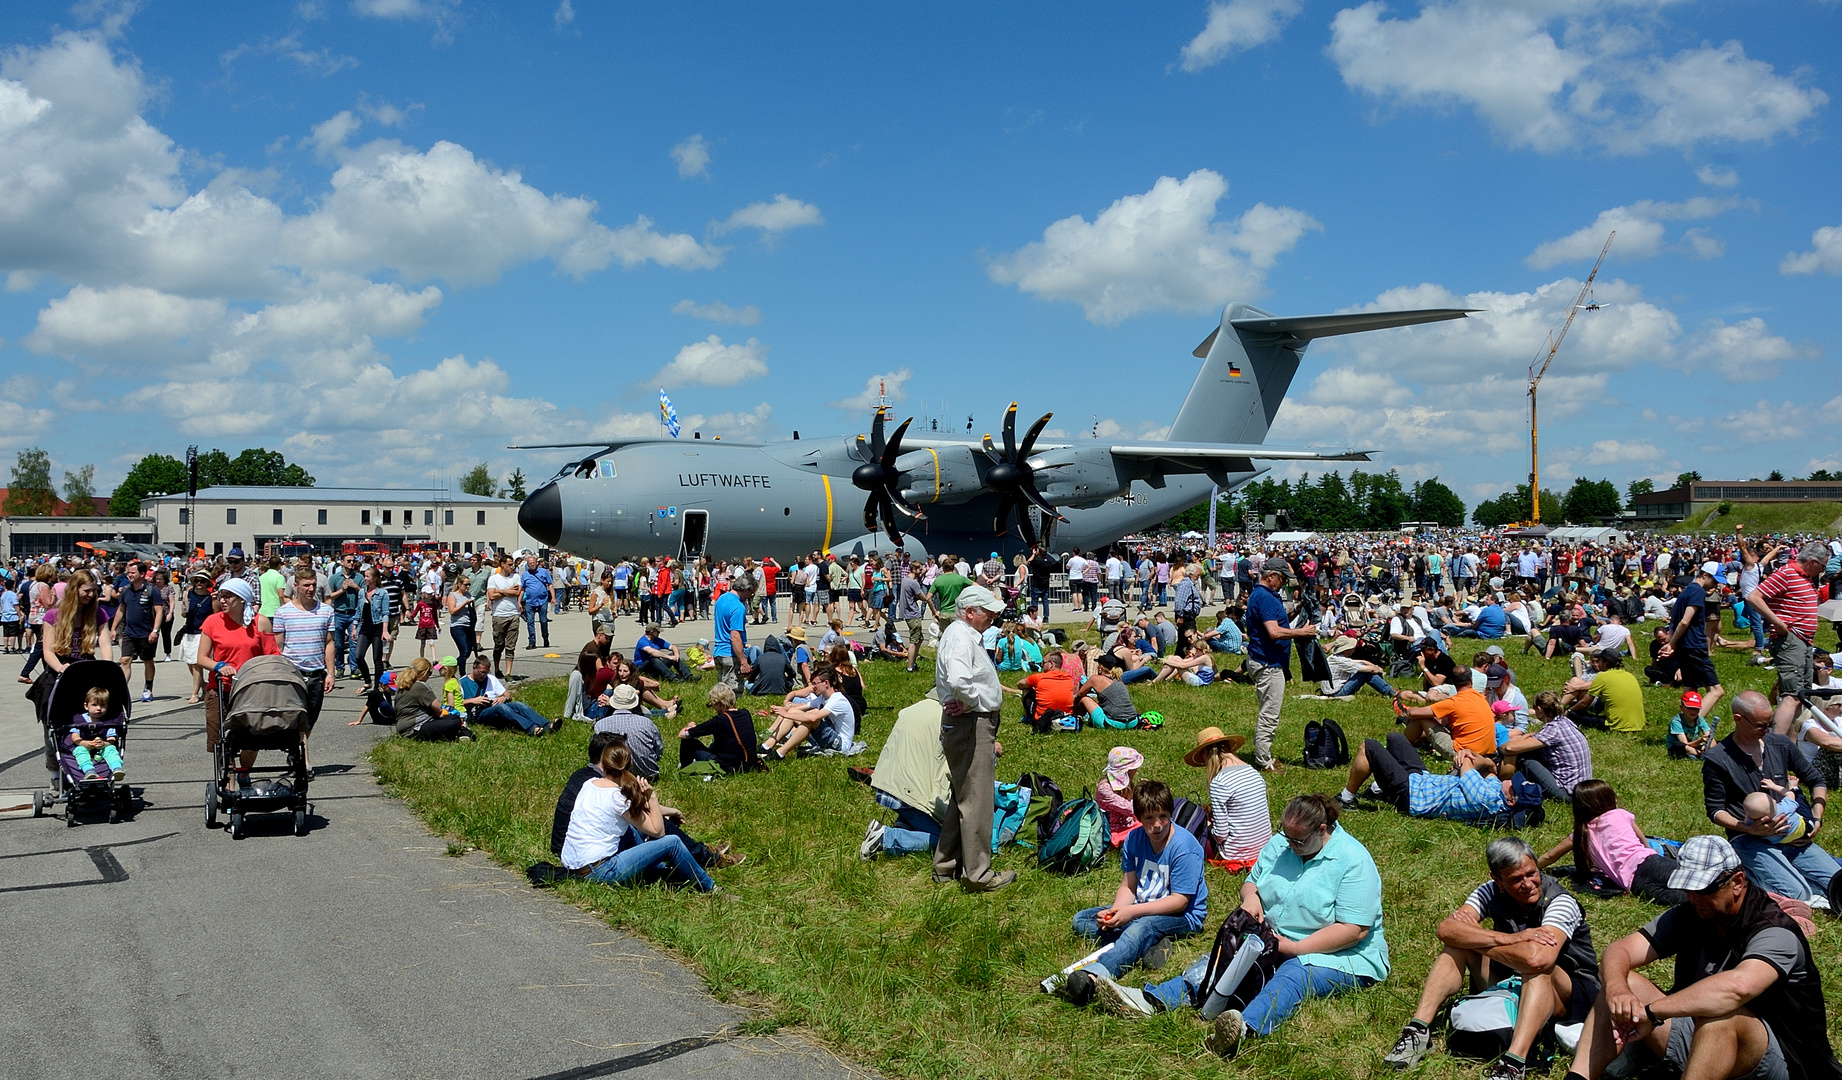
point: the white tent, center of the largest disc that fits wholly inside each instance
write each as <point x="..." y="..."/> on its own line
<point x="1585" y="534"/>
<point x="1291" y="537"/>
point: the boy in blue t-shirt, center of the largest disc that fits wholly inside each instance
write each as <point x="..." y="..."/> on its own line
<point x="1161" y="893"/>
<point x="1690" y="733"/>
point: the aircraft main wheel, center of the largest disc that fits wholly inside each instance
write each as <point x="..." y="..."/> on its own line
<point x="210" y="804"/>
<point x="300" y="823"/>
<point x="236" y="824"/>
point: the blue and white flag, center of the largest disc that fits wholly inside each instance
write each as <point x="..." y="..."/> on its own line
<point x="668" y="415"/>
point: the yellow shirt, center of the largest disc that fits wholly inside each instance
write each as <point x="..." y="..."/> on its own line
<point x="1623" y="699"/>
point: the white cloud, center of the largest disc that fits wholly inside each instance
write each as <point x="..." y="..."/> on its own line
<point x="1825" y="254"/>
<point x="892" y="385"/>
<point x="1720" y="178"/>
<point x="87" y="320"/>
<point x="1625" y="452"/>
<point x="1163" y="250"/>
<point x="1235" y="25"/>
<point x="692" y="156"/>
<point x="1743" y="351"/>
<point x="757" y="423"/>
<point x="1594" y="85"/>
<point x="403" y="10"/>
<point x="711" y="363"/>
<point x="1641" y="233"/>
<point x="717" y="311"/>
<point x="329" y="135"/>
<point x="772" y="218"/>
<point x="321" y="61"/>
<point x="565" y="14"/>
<point x="1765" y="422"/>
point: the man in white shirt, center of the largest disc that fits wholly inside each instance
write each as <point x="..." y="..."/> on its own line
<point x="966" y="682"/>
<point x="504" y="592"/>
<point x="1615" y="635"/>
<point x="823" y="716"/>
<point x="1077" y="569"/>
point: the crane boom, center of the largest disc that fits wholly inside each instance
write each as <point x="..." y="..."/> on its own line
<point x="1554" y="346"/>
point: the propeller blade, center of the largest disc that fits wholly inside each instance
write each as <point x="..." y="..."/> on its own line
<point x="876" y="436"/>
<point x="869" y="509"/>
<point x="1030" y="493"/>
<point x="992" y="451"/>
<point x="894" y="449"/>
<point x="1024" y="526"/>
<point x="894" y="534"/>
<point x="1029" y="438"/>
<point x="1010" y="433"/>
<point x="1005" y="505"/>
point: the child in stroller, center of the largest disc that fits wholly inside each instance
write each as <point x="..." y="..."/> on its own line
<point x="94" y="739"/>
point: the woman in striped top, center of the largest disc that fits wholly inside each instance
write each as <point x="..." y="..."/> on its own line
<point x="1239" y="822"/>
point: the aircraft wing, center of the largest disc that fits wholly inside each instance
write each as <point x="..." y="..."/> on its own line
<point x="615" y="444"/>
<point x="1220" y="459"/>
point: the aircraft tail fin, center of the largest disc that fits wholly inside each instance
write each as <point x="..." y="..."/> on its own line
<point x="1249" y="360"/>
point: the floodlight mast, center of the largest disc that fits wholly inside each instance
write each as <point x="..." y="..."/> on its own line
<point x="1554" y="346"/>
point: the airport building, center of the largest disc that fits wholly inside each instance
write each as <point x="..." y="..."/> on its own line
<point x="1703" y="496"/>
<point x="222" y="518"/>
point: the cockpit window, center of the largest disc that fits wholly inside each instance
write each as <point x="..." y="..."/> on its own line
<point x="595" y="467"/>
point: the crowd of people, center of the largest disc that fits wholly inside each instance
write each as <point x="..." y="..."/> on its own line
<point x="1387" y="614"/>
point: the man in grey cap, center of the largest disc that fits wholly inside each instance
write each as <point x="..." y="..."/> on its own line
<point x="1787" y="602"/>
<point x="1748" y="999"/>
<point x="1269" y="647"/>
<point x="967" y="685"/>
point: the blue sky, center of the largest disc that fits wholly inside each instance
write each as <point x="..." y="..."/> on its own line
<point x="390" y="236"/>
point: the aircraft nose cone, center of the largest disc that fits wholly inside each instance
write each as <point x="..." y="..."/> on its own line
<point x="541" y="515"/>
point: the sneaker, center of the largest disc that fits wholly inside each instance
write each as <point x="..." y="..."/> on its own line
<point x="463" y="737"/>
<point x="1818" y="903"/>
<point x="1156" y="956"/>
<point x="1079" y="987"/>
<point x="146" y="695"/>
<point x="1225" y="1037"/>
<point x="1122" y="1000"/>
<point x="120" y="776"/>
<point x="1414" y="1044"/>
<point x="1504" y="1069"/>
<point x="872" y="841"/>
<point x="730" y="858"/>
<point x="1375" y="788"/>
<point x="998" y="881"/>
<point x="1346" y="801"/>
<point x="91" y="775"/>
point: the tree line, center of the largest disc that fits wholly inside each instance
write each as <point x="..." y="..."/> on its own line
<point x="1330" y="502"/>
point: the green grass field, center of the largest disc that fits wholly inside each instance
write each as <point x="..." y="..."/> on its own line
<point x="1759" y="518"/>
<point x="917" y="980"/>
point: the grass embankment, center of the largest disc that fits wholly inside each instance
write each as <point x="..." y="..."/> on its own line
<point x="918" y="980"/>
<point x="1819" y="517"/>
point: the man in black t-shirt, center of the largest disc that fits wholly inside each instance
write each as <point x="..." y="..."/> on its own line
<point x="1436" y="667"/>
<point x="140" y="611"/>
<point x="1685" y="654"/>
<point x="1041" y="566"/>
<point x="1747" y="1000"/>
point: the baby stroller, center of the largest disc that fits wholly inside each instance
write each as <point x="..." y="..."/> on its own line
<point x="56" y="713"/>
<point x="266" y="709"/>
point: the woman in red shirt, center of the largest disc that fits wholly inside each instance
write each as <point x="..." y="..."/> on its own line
<point x="227" y="640"/>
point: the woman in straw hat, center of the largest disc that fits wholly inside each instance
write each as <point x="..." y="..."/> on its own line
<point x="1239" y="822"/>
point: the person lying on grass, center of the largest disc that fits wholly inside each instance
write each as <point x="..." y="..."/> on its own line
<point x="1607" y="841"/>
<point x="1471" y="792"/>
<point x="1161" y="894"/>
<point x="601" y="843"/>
<point x="1537" y="931"/>
<point x="824" y="717"/>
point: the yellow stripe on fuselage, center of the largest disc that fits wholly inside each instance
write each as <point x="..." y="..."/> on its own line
<point x="826" y="546"/>
<point x="936" y="456"/>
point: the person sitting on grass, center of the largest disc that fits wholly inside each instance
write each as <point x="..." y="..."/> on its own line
<point x="824" y="717"/>
<point x="1316" y="889"/>
<point x="1104" y="700"/>
<point x="1462" y="720"/>
<point x="1690" y="733"/>
<point x="1748" y="997"/>
<point x="1472" y="792"/>
<point x="1161" y="895"/>
<point x="1114" y="793"/>
<point x="418" y="714"/>
<point x="598" y="744"/>
<point x="1556" y="756"/>
<point x="1048" y="695"/>
<point x="601" y="842"/>
<point x="1349" y="673"/>
<point x="645" y="746"/>
<point x="1225" y="636"/>
<point x="625" y="672"/>
<point x="1016" y="652"/>
<point x="1239" y="822"/>
<point x="1611" y="699"/>
<point x="659" y="658"/>
<point x="1606" y="841"/>
<point x="1537" y="931"/>
<point x="1192" y="663"/>
<point x="912" y="779"/>
<point x="731" y="732"/>
<point x="1435" y="665"/>
<point x="487" y="701"/>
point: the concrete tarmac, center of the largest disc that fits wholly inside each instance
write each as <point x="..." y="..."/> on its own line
<point x="158" y="948"/>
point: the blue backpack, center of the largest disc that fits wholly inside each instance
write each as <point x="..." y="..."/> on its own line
<point x="1010" y="805"/>
<point x="1077" y="839"/>
<point x="1526" y="814"/>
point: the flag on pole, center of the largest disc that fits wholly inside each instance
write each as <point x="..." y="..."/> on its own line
<point x="668" y="415"/>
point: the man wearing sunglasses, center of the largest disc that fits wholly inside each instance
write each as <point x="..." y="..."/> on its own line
<point x="1747" y="1002"/>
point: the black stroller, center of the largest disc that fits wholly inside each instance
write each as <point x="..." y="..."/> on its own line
<point x="83" y="792"/>
<point x="266" y="709"/>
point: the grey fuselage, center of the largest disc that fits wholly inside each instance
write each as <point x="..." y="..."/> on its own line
<point x="637" y="500"/>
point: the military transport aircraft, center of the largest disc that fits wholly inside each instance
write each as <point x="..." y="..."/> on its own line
<point x="726" y="499"/>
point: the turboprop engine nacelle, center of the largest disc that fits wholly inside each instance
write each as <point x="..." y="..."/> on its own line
<point x="947" y="475"/>
<point x="1080" y="477"/>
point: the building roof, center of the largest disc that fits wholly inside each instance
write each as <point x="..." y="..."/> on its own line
<point x="365" y="495"/>
<point x="60" y="508"/>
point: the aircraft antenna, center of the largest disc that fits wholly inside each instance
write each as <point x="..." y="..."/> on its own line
<point x="1554" y="346"/>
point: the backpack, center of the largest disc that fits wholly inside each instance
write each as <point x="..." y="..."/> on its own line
<point x="1325" y="745"/>
<point x="1077" y="838"/>
<point x="1234" y="932"/>
<point x="1528" y="812"/>
<point x="1483" y="1023"/>
<point x="1192" y="818"/>
<point x="1010" y="803"/>
<point x="1039" y="816"/>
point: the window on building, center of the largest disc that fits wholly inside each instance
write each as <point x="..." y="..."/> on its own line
<point x="409" y="516"/>
<point x="447" y="517"/>
<point x="479" y="517"/>
<point x="275" y="517"/>
<point x="364" y="517"/>
<point x="322" y="518"/>
<point x="386" y="517"/>
<point x="185" y="516"/>
<point x="230" y="516"/>
<point x="428" y="517"/>
<point x="217" y="547"/>
<point x="467" y="547"/>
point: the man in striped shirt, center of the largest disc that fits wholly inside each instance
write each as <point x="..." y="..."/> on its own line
<point x="303" y="627"/>
<point x="1787" y="602"/>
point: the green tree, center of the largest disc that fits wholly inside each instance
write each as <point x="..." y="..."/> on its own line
<point x="1589" y="500"/>
<point x="1824" y="476"/>
<point x="478" y="481"/>
<point x="1433" y="501"/>
<point x="154" y="473"/>
<point x="1636" y="488"/>
<point x="253" y="467"/>
<point x="1513" y="506"/>
<point x="1687" y="478"/>
<point x="1388" y="504"/>
<point x="1775" y="475"/>
<point x="80" y="492"/>
<point x="30" y="492"/>
<point x="514" y="486"/>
